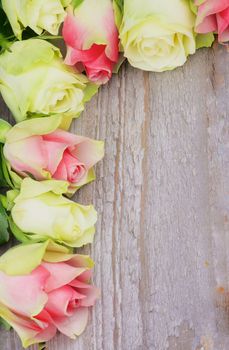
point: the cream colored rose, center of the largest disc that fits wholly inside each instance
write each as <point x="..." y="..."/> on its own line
<point x="39" y="15"/>
<point x="41" y="212"/>
<point x="35" y="82"/>
<point x="157" y="35"/>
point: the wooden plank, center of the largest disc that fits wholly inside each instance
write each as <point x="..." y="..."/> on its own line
<point x="161" y="247"/>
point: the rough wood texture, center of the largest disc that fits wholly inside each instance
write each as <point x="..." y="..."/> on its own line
<point x="162" y="194"/>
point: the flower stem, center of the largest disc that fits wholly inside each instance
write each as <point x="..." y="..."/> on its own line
<point x="49" y="37"/>
<point x="10" y="37"/>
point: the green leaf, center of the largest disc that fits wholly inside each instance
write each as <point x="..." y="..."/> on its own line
<point x="8" y="178"/>
<point x="119" y="3"/>
<point x="204" y="40"/>
<point x="3" y="182"/>
<point x="5" y="27"/>
<point x="4" y="233"/>
<point x="4" y="128"/>
<point x="193" y="7"/>
<point x="121" y="60"/>
<point x="76" y="3"/>
<point x="5" y="324"/>
<point x="90" y="90"/>
<point x="5" y="179"/>
<point x="4" y="201"/>
<point x="42" y="346"/>
<point x="118" y="11"/>
<point x="6" y="33"/>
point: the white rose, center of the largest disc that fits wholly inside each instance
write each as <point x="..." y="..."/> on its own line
<point x="34" y="81"/>
<point x="39" y="15"/>
<point x="157" y="35"/>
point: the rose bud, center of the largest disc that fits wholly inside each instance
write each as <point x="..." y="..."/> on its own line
<point x="40" y="212"/>
<point x="91" y="37"/>
<point x="39" y="148"/>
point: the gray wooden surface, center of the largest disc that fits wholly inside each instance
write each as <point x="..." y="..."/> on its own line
<point x="162" y="194"/>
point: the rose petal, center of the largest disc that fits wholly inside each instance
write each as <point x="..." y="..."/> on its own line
<point x="61" y="172"/>
<point x="213" y="16"/>
<point x="71" y="167"/>
<point x="223" y="24"/>
<point x="90" y="292"/>
<point x="30" y="331"/>
<point x="88" y="151"/>
<point x="60" y="274"/>
<point x="74" y="325"/>
<point x="59" y="301"/>
<point x="22" y="161"/>
<point x="26" y="301"/>
<point x="75" y="55"/>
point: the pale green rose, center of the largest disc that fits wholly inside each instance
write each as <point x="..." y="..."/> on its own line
<point x="39" y="15"/>
<point x="157" y="35"/>
<point x="40" y="212"/>
<point x="35" y="82"/>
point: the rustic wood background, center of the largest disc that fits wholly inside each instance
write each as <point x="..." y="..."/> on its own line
<point x="162" y="194"/>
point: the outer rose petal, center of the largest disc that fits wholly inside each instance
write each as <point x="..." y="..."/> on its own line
<point x="73" y="326"/>
<point x="223" y="25"/>
<point x="210" y="7"/>
<point x="28" y="257"/>
<point x="90" y="292"/>
<point x="75" y="55"/>
<point x="78" y="260"/>
<point x="54" y="153"/>
<point x="30" y="331"/>
<point x="27" y="301"/>
<point x="33" y="127"/>
<point x="88" y="151"/>
<point x="60" y="274"/>
<point x="23" y="161"/>
<point x="61" y="136"/>
<point x="208" y="25"/>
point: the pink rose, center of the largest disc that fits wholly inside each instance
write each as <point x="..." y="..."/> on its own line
<point x="54" y="295"/>
<point x="91" y="37"/>
<point x="213" y="16"/>
<point x="38" y="147"/>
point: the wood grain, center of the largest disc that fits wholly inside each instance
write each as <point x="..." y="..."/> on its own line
<point x="162" y="194"/>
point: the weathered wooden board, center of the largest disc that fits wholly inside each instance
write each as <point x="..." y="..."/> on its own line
<point x="162" y="194"/>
